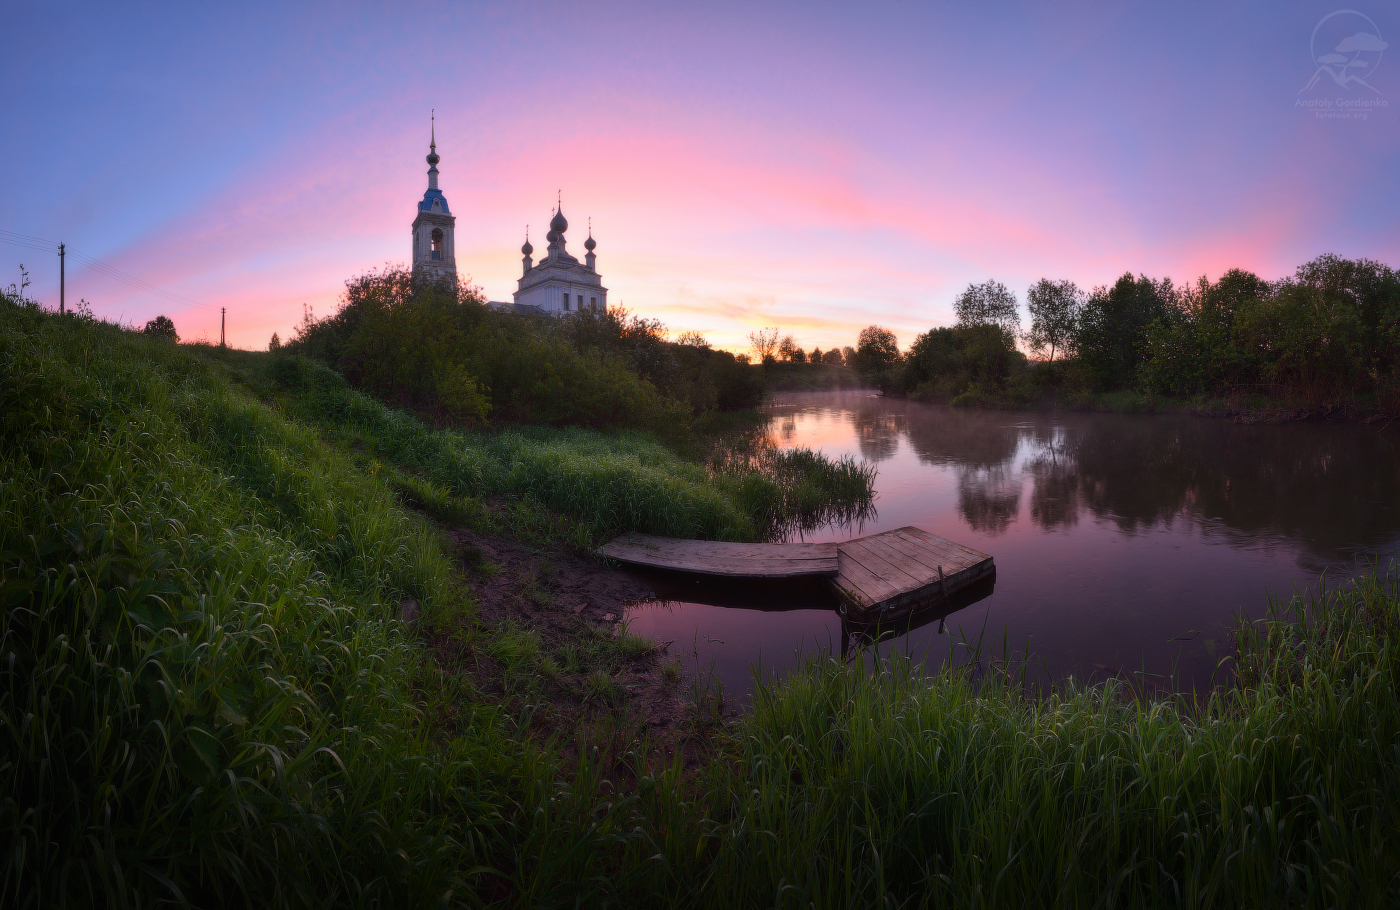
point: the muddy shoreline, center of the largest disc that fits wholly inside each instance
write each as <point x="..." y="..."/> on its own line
<point x="572" y="605"/>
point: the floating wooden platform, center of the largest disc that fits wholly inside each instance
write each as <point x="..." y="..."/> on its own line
<point x="734" y="560"/>
<point x="904" y="569"/>
<point x="897" y="570"/>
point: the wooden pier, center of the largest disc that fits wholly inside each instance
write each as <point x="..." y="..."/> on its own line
<point x="732" y="560"/>
<point x="904" y="569"/>
<point x="895" y="571"/>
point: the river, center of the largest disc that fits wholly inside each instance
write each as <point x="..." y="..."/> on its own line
<point x="1125" y="544"/>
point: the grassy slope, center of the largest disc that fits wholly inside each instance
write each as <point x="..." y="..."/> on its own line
<point x="205" y="691"/>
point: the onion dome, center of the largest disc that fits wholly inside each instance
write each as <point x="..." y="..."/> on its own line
<point x="558" y="225"/>
<point x="590" y="244"/>
<point x="433" y="158"/>
<point x="527" y="249"/>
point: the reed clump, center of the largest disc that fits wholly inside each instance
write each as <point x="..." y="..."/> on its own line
<point x="886" y="788"/>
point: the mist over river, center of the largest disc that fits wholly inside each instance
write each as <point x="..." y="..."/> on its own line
<point x="1123" y="543"/>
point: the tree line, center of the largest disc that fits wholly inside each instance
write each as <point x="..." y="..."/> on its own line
<point x="437" y="348"/>
<point x="769" y="348"/>
<point x="1327" y="335"/>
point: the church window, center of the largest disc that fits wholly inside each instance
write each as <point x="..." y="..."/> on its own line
<point x="437" y="243"/>
<point x="566" y="300"/>
<point x="593" y="302"/>
<point x="580" y="301"/>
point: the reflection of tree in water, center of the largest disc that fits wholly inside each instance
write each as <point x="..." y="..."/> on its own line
<point x="1330" y="489"/>
<point x="979" y="446"/>
<point x="988" y="498"/>
<point x="878" y="429"/>
<point x="965" y="438"/>
<point x="1054" y="483"/>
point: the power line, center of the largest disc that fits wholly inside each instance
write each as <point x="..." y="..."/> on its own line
<point x="51" y="246"/>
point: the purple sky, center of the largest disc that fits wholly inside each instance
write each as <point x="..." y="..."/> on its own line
<point x="817" y="169"/>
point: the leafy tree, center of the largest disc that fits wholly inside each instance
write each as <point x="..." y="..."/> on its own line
<point x="765" y="342"/>
<point x="161" y="327"/>
<point x="786" y="348"/>
<point x="877" y="354"/>
<point x="1054" y="307"/>
<point x="694" y="339"/>
<point x="816" y="355"/>
<point x="1194" y="347"/>
<point x="848" y="356"/>
<point x="834" y="357"/>
<point x="407" y="347"/>
<point x="1366" y="291"/>
<point x="1111" y="335"/>
<point x="275" y="343"/>
<point x="639" y="342"/>
<point x="945" y="362"/>
<point x="989" y="303"/>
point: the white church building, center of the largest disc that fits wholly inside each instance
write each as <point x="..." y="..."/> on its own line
<point x="558" y="284"/>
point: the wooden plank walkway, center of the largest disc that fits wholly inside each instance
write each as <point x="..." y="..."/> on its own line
<point x="897" y="570"/>
<point x="737" y="560"/>
<point x="904" y="569"/>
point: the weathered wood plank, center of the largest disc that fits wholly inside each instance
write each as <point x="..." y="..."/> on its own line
<point x="929" y="555"/>
<point x="920" y="533"/>
<point x="912" y="566"/>
<point x="892" y="570"/>
<point x="867" y="552"/>
<point x="710" y="557"/>
<point x="898" y="569"/>
<point x="945" y="549"/>
<point x="869" y="589"/>
<point x="724" y="549"/>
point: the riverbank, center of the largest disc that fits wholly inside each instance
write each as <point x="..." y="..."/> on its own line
<point x="1238" y="409"/>
<point x="271" y="643"/>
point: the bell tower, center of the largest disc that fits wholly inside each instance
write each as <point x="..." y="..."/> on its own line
<point x="434" y="255"/>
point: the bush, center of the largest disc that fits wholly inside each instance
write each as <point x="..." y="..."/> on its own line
<point x="161" y="327"/>
<point x="943" y="363"/>
<point x="438" y="349"/>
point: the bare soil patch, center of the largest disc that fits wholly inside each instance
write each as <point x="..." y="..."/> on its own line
<point x="587" y="684"/>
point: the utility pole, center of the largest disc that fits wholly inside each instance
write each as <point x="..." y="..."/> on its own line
<point x="61" y="250"/>
<point x="222" y="311"/>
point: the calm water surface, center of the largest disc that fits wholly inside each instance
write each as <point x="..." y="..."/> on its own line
<point x="1122" y="542"/>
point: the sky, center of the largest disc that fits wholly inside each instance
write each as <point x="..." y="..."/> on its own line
<point x="814" y="167"/>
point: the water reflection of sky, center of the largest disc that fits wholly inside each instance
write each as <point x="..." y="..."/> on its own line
<point x="1113" y="535"/>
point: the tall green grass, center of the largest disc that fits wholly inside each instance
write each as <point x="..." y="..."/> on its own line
<point x="206" y="699"/>
<point x="856" y="789"/>
<point x="205" y="694"/>
<point x="614" y="482"/>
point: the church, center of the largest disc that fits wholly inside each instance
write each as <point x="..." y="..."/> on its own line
<point x="558" y="284"/>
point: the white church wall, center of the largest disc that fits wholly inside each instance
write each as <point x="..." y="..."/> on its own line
<point x="549" y="297"/>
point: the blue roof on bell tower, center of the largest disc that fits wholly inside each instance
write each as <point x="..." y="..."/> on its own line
<point x="434" y="201"/>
